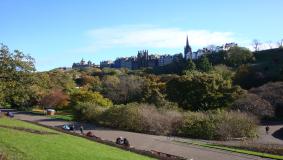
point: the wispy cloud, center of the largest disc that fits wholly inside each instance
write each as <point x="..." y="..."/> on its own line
<point x="148" y="36"/>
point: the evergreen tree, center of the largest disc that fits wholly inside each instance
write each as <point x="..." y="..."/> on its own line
<point x="204" y="65"/>
<point x="191" y="66"/>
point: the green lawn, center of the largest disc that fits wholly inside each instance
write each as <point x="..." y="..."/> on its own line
<point x="231" y="149"/>
<point x="63" y="114"/>
<point x="67" y="117"/>
<point x="22" y="145"/>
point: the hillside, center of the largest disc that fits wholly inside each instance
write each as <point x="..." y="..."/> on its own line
<point x="23" y="141"/>
<point x="270" y="63"/>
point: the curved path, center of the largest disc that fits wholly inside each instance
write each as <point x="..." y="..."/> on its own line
<point x="148" y="142"/>
<point x="270" y="138"/>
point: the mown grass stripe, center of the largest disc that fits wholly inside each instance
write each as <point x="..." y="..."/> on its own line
<point x="254" y="153"/>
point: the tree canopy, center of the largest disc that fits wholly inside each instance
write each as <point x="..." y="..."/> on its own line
<point x="202" y="91"/>
<point x="16" y="74"/>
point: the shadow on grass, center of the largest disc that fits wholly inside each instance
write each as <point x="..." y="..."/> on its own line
<point x="278" y="134"/>
<point x="27" y="130"/>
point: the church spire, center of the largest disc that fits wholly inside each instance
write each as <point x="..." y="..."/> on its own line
<point x="187" y="44"/>
<point x="187" y="50"/>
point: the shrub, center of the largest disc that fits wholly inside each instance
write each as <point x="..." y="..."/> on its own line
<point x="220" y="125"/>
<point x="123" y="117"/>
<point x="273" y="93"/>
<point x="148" y="119"/>
<point x="236" y="125"/>
<point x="88" y="112"/>
<point x="252" y="103"/>
<point x="142" y="118"/>
<point x="160" y="121"/>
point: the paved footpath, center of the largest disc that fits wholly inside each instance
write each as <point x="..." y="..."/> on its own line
<point x="148" y="142"/>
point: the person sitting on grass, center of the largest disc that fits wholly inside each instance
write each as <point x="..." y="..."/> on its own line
<point x="10" y="114"/>
<point x="72" y="127"/>
<point x="119" y="141"/>
<point x="126" y="142"/>
<point x="90" y="134"/>
<point x="66" y="127"/>
<point x="123" y="141"/>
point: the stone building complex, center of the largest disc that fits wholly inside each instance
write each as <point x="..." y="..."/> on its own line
<point x="146" y="60"/>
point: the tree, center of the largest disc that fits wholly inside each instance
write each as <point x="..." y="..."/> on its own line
<point x="256" y="44"/>
<point x="16" y="78"/>
<point x="62" y="80"/>
<point x="226" y="72"/>
<point x="270" y="44"/>
<point x="247" y="77"/>
<point x="202" y="91"/>
<point x="123" y="89"/>
<point x="89" y="82"/>
<point x="237" y="56"/>
<point x="204" y="65"/>
<point x="280" y="43"/>
<point x="82" y="96"/>
<point x="251" y="103"/>
<point x="55" y="99"/>
<point x="190" y="66"/>
<point x="154" y="93"/>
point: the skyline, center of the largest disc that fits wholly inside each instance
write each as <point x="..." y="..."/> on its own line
<point x="57" y="34"/>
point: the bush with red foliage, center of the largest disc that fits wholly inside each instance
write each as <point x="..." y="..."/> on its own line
<point x="55" y="99"/>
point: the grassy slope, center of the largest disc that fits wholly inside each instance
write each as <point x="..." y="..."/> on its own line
<point x="23" y="145"/>
<point x="237" y="150"/>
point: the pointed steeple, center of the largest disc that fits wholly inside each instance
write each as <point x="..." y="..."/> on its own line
<point x="187" y="44"/>
<point x="187" y="50"/>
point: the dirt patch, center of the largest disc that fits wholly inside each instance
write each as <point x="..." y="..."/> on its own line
<point x="28" y="130"/>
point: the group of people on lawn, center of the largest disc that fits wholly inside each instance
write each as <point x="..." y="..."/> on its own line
<point x="8" y="114"/>
<point x="72" y="127"/>
<point x="119" y="140"/>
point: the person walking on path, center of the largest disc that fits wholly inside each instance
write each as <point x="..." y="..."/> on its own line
<point x="74" y="129"/>
<point x="82" y="129"/>
<point x="267" y="129"/>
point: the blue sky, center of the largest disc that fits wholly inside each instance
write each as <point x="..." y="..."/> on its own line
<point x="59" y="32"/>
